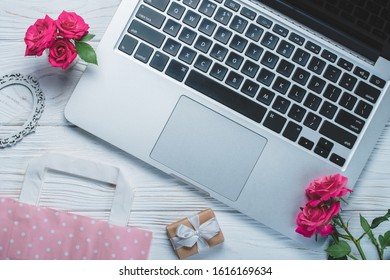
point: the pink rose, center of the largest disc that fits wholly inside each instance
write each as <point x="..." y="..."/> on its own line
<point x="317" y="219"/>
<point x="327" y="187"/>
<point x="40" y="36"/>
<point x="62" y="53"/>
<point x="71" y="25"/>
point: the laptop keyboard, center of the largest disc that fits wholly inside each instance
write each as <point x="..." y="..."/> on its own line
<point x="259" y="68"/>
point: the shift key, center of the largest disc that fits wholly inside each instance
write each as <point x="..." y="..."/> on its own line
<point x="146" y="33"/>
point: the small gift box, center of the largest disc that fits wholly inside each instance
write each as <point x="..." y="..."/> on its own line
<point x="195" y="234"/>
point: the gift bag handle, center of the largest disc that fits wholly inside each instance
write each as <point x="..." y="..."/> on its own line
<point x="37" y="169"/>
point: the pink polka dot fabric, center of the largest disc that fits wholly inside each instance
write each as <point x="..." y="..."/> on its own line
<point x="28" y="232"/>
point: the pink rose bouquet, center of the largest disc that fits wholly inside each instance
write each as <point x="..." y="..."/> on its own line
<point x="65" y="38"/>
<point x="321" y="215"/>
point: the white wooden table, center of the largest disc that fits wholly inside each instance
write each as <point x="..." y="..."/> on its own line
<point x="159" y="199"/>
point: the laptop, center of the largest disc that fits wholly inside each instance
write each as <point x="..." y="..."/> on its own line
<point x="248" y="101"/>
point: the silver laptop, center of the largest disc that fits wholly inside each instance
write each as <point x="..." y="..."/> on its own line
<point x="247" y="100"/>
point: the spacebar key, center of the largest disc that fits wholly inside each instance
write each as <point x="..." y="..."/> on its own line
<point x="226" y="96"/>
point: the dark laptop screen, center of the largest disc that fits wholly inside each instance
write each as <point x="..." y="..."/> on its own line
<point x="361" y="25"/>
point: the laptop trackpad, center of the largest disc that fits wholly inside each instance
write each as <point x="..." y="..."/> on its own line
<point x="208" y="148"/>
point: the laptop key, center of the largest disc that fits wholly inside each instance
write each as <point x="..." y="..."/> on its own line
<point x="218" y="52"/>
<point x="176" y="10"/>
<point x="296" y="39"/>
<point x="360" y="72"/>
<point x="301" y="76"/>
<point x="274" y="121"/>
<point x="172" y="47"/>
<point x="336" y="159"/>
<point x="306" y="143"/>
<point x="332" y="92"/>
<point x="191" y="3"/>
<point x="150" y="16"/>
<point x="347" y="81"/>
<point x="375" y="80"/>
<point x="158" y="4"/>
<point x="312" y="121"/>
<point x="234" y="60"/>
<point x="226" y="96"/>
<point x="367" y="92"/>
<point x="191" y="18"/>
<point x="203" y="44"/>
<point x="269" y="40"/>
<point x="349" y="121"/>
<point x="146" y="33"/>
<point x="332" y="73"/>
<point x="282" y="31"/>
<point x="254" y="51"/>
<point x="250" y="69"/>
<point x="223" y="16"/>
<point x="187" y="55"/>
<point x="254" y="32"/>
<point x="238" y="24"/>
<point x="363" y="109"/>
<point x="176" y="70"/>
<point x="203" y="63"/>
<point x="238" y="43"/>
<point x="269" y="59"/>
<point x="348" y="101"/>
<point x="312" y="101"/>
<point x="234" y="80"/>
<point x="297" y="112"/>
<point x="265" y="96"/>
<point x="222" y="35"/>
<point x="159" y="61"/>
<point x="316" y="65"/>
<point x="297" y="93"/>
<point x="329" y="56"/>
<point x="250" y="88"/>
<point x="292" y="131"/>
<point x="281" y="104"/>
<point x="248" y="13"/>
<point x="207" y="8"/>
<point x="285" y="48"/>
<point x="207" y="27"/>
<point x="285" y="68"/>
<point x="232" y="5"/>
<point x="172" y="27"/>
<point x="143" y="53"/>
<point x="316" y="84"/>
<point x="128" y="44"/>
<point x="218" y="71"/>
<point x="313" y="47"/>
<point x="301" y="57"/>
<point x="328" y="110"/>
<point x="265" y="77"/>
<point x="338" y="134"/>
<point x="187" y="36"/>
<point x="264" y="21"/>
<point x="345" y="64"/>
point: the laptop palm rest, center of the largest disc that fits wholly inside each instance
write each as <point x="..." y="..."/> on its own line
<point x="208" y="148"/>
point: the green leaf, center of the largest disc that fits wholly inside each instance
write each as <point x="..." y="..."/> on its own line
<point x="366" y="226"/>
<point x="87" y="37"/>
<point x="385" y="239"/>
<point x="86" y="52"/>
<point x="339" y="249"/>
<point x="377" y="221"/>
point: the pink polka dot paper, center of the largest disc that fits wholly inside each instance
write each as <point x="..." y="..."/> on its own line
<point x="28" y="232"/>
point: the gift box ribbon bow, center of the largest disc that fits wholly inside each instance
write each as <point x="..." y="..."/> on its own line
<point x="187" y="237"/>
